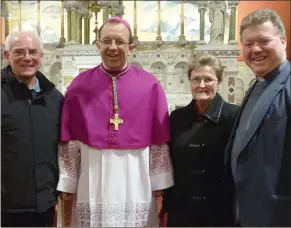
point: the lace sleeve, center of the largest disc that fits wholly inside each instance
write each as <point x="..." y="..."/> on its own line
<point x="161" y="168"/>
<point x="69" y="161"/>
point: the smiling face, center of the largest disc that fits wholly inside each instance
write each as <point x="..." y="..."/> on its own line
<point x="24" y="55"/>
<point x="114" y="45"/>
<point x="204" y="83"/>
<point x="263" y="48"/>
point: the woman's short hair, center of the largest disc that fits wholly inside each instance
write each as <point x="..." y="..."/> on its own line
<point x="207" y="60"/>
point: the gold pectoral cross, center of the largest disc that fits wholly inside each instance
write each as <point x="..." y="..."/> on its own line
<point x="116" y="121"/>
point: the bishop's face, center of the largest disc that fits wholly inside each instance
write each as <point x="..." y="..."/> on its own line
<point x="113" y="45"/>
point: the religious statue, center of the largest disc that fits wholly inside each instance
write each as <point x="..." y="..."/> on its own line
<point x="217" y="10"/>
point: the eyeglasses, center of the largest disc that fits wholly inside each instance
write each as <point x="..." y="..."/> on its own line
<point x="207" y="81"/>
<point x="22" y="53"/>
<point x="110" y="42"/>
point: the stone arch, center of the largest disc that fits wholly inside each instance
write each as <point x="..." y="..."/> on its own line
<point x="157" y="56"/>
<point x="137" y="64"/>
<point x="159" y="70"/>
<point x="55" y="74"/>
<point x="181" y="56"/>
<point x="135" y="57"/>
<point x="180" y="79"/>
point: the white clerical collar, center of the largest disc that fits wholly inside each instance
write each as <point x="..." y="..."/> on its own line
<point x="261" y="79"/>
<point x="120" y="69"/>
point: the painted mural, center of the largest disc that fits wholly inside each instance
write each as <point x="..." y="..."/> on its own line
<point x="170" y="20"/>
<point x="146" y="18"/>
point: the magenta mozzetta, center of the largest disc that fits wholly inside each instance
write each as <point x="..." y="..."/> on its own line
<point x="91" y="109"/>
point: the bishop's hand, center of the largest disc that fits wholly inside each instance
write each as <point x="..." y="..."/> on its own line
<point x="157" y="193"/>
<point x="67" y="196"/>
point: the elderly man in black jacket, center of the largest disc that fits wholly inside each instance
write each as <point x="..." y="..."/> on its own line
<point x="30" y="110"/>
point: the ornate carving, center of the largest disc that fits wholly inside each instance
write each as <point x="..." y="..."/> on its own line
<point x="202" y="5"/>
<point x="232" y="3"/>
<point x="232" y="53"/>
<point x="171" y="57"/>
<point x="77" y="5"/>
<point x="169" y="64"/>
<point x="159" y="69"/>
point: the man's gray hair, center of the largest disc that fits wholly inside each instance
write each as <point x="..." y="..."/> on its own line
<point x="261" y="16"/>
<point x="15" y="35"/>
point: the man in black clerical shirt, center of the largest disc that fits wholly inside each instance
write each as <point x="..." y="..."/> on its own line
<point x="259" y="151"/>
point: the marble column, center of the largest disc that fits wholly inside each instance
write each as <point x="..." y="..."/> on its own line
<point x="182" y="35"/>
<point x="202" y="6"/>
<point x="232" y="23"/>
<point x="121" y="6"/>
<point x="6" y="27"/>
<point x="62" y="38"/>
<point x="135" y="38"/>
<point x="159" y="36"/>
<point x="19" y="17"/>
<point x="87" y="29"/>
<point x="38" y="19"/>
<point x="74" y="25"/>
<point x="113" y="12"/>
<point x="69" y="24"/>
<point x="105" y="14"/>
<point x="80" y="28"/>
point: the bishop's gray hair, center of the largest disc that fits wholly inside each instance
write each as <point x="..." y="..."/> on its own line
<point x="15" y="35"/>
<point x="261" y="16"/>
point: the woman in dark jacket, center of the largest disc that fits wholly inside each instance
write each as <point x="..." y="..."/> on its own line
<point x="199" y="134"/>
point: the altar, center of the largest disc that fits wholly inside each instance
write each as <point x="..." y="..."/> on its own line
<point x="169" y="64"/>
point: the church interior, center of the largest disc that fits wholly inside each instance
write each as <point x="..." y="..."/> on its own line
<point x="167" y="35"/>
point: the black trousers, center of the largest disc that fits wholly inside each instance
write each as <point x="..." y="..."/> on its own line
<point x="28" y="219"/>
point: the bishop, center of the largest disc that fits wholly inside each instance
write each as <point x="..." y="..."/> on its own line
<point x="115" y="171"/>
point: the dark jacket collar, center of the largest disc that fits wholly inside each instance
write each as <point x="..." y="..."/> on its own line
<point x="279" y="69"/>
<point x="7" y="77"/>
<point x="213" y="112"/>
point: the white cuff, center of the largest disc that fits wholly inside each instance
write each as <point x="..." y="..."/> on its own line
<point x="162" y="181"/>
<point x="67" y="184"/>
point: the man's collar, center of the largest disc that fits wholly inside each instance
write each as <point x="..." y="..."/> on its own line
<point x="36" y="86"/>
<point x="274" y="72"/>
<point x="106" y="68"/>
<point x="44" y="84"/>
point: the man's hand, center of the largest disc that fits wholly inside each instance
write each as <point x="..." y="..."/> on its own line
<point x="163" y="218"/>
<point x="157" y="193"/>
<point x="67" y="196"/>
